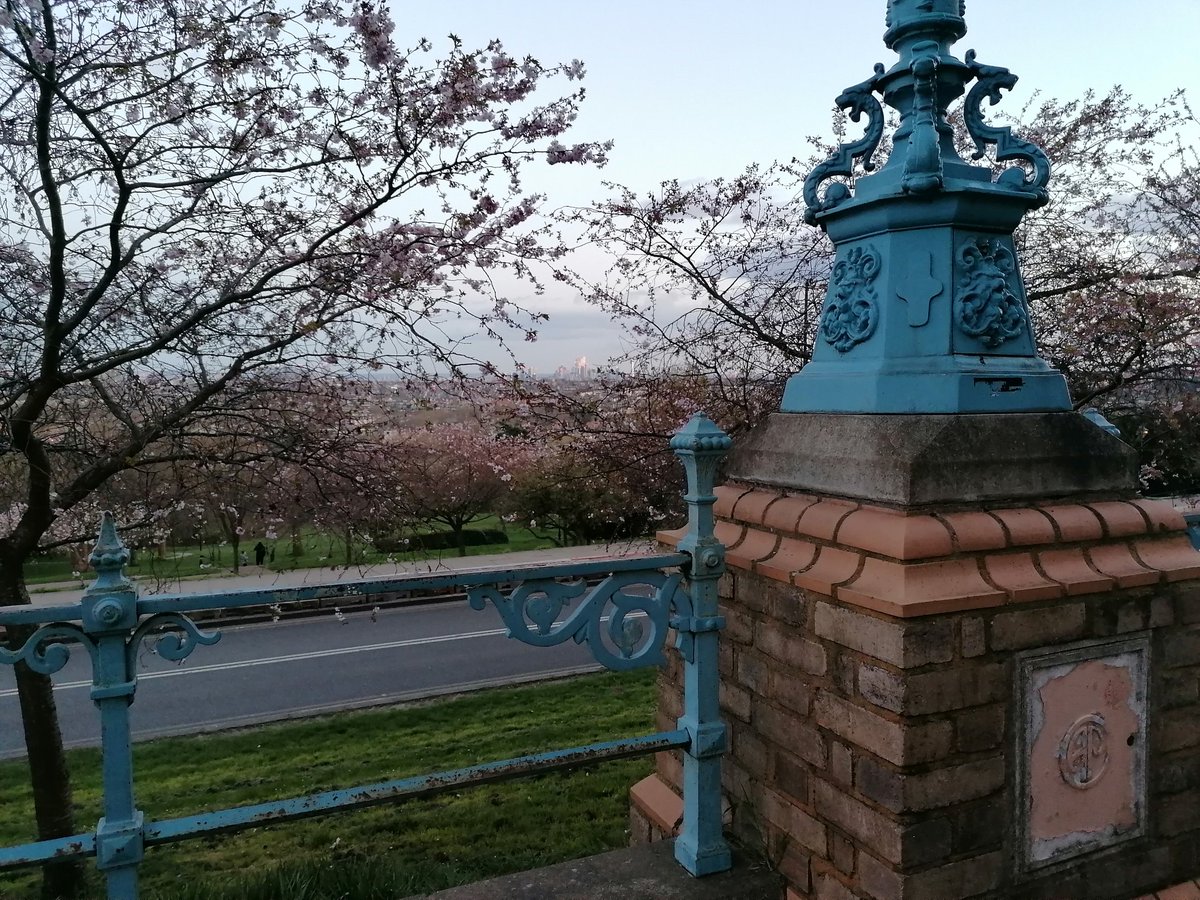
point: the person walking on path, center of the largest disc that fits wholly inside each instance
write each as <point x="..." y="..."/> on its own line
<point x="260" y="553"/>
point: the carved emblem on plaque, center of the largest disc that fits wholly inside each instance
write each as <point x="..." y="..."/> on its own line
<point x="1083" y="753"/>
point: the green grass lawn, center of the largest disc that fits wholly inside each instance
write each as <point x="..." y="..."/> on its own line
<point x="412" y="847"/>
<point x="318" y="550"/>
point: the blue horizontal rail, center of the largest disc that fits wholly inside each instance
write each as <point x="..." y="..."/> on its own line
<point x="169" y="830"/>
<point x="181" y="603"/>
<point x="600" y="603"/>
<point x="166" y="831"/>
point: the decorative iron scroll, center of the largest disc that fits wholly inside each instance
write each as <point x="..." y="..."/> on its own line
<point x="176" y="644"/>
<point x="49" y="648"/>
<point x="622" y="642"/>
<point x="985" y="306"/>
<point x="852" y="310"/>
<point x="991" y="80"/>
<point x="856" y="100"/>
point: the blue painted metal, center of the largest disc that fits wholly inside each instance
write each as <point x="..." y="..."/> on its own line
<point x="531" y="612"/>
<point x="701" y="847"/>
<point x="109" y="617"/>
<point x="926" y="311"/>
<point x="1193" y="527"/>
<point x="1098" y="418"/>
<point x="624" y="629"/>
<point x="169" y="830"/>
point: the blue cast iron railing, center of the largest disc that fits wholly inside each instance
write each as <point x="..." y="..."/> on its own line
<point x="623" y="630"/>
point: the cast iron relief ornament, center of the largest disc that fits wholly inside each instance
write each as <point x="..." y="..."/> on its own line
<point x="931" y="316"/>
<point x="985" y="306"/>
<point x="852" y="308"/>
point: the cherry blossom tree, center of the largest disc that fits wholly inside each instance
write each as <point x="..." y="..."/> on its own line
<point x="199" y="195"/>
<point x="452" y="474"/>
<point x="721" y="280"/>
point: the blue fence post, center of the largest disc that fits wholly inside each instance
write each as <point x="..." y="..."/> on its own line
<point x="110" y="617"/>
<point x="701" y="847"/>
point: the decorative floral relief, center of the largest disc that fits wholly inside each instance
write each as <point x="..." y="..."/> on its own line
<point x="985" y="305"/>
<point x="852" y="310"/>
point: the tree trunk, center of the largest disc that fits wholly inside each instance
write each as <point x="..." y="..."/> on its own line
<point x="48" y="771"/>
<point x="460" y="540"/>
<point x="349" y="547"/>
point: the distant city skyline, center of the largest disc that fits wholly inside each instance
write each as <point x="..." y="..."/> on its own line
<point x="701" y="89"/>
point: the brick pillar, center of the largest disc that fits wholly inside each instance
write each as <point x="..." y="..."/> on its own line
<point x="997" y="702"/>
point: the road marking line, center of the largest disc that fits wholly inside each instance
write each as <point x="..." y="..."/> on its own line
<point x="296" y="657"/>
<point x="291" y="657"/>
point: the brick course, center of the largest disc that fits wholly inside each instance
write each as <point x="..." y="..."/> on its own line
<point x="871" y="753"/>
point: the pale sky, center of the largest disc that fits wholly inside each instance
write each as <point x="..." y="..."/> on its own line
<point x="695" y="90"/>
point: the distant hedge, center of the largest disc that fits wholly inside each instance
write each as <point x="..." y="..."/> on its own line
<point x="440" y="540"/>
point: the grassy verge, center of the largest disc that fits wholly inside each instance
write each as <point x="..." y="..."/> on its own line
<point x="393" y="851"/>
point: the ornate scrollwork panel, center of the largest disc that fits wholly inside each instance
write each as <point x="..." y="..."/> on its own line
<point x="857" y="101"/>
<point x="176" y="643"/>
<point x="852" y="308"/>
<point x="985" y="305"/>
<point x="622" y="629"/>
<point x="991" y="80"/>
<point x="48" y="649"/>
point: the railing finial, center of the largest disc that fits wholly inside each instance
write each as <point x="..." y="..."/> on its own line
<point x="108" y="559"/>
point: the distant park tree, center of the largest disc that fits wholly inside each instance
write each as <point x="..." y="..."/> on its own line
<point x="201" y="194"/>
<point x="453" y="473"/>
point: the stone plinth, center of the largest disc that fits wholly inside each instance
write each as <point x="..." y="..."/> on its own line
<point x="1001" y="701"/>
<point x="937" y="460"/>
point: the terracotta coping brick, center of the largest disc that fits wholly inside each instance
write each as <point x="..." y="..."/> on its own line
<point x="1174" y="557"/>
<point x="758" y="545"/>
<point x="913" y="590"/>
<point x="821" y="520"/>
<point x="1071" y="569"/>
<point x="1075" y="523"/>
<point x="900" y="537"/>
<point x="751" y="506"/>
<point x="729" y="533"/>
<point x="1162" y="515"/>
<point x="976" y="531"/>
<point x="1016" y="574"/>
<point x="671" y="538"/>
<point x="1026" y="526"/>
<point x="833" y="567"/>
<point x="658" y="803"/>
<point x="1120" y="519"/>
<point x="792" y="556"/>
<point x="727" y="497"/>
<point x="1189" y="890"/>
<point x="1116" y="561"/>
<point x="783" y="515"/>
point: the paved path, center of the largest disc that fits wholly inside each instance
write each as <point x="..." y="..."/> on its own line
<point x="253" y="577"/>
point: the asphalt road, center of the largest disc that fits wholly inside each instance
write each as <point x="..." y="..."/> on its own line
<point x="298" y="667"/>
